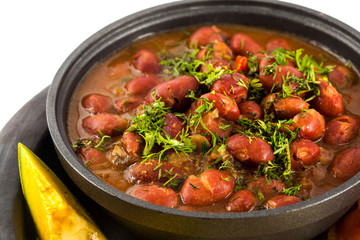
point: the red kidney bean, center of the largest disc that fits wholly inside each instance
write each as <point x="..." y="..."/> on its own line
<point x="202" y="53"/>
<point x="210" y="187"/>
<point x="241" y="44"/>
<point x="156" y="194"/>
<point x="346" y="163"/>
<point x="173" y="92"/>
<point x="128" y="104"/>
<point x="277" y="43"/>
<point x="267" y="60"/>
<point x="267" y="189"/>
<point x="206" y="35"/>
<point x="222" y="51"/>
<point x="339" y="76"/>
<point x="146" y="61"/>
<point x="213" y="124"/>
<point x="241" y="201"/>
<point x="248" y="151"/>
<point x="341" y="129"/>
<point x="118" y="68"/>
<point x="329" y="102"/>
<point x="216" y="63"/>
<point x="108" y="124"/>
<point x="287" y="108"/>
<point x="282" y="72"/>
<point x="142" y="85"/>
<point x="226" y="106"/>
<point x="259" y="58"/>
<point x="234" y="86"/>
<point x="132" y="143"/>
<point x="250" y="109"/>
<point x="153" y="171"/>
<point x="267" y="103"/>
<point x="303" y="153"/>
<point x="311" y="124"/>
<point x="96" y="103"/>
<point x="91" y="156"/>
<point x="281" y="201"/>
<point x="173" y="126"/>
<point x="191" y="109"/>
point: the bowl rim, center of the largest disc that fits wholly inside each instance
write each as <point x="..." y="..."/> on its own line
<point x="63" y="148"/>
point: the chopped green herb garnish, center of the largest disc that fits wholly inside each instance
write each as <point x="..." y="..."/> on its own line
<point x="239" y="185"/>
<point x="104" y="140"/>
<point x="260" y="195"/>
<point x="196" y="120"/>
<point x="99" y="145"/>
<point x="80" y="144"/>
<point x="225" y="179"/>
<point x="215" y="162"/>
<point x="305" y="64"/>
<point x="224" y="165"/>
<point x="279" y="138"/>
<point x="252" y="64"/>
<point x="172" y="178"/>
<point x="194" y="187"/>
<point x="149" y="126"/>
<point x="292" y="191"/>
<point x="89" y="162"/>
<point x="188" y="64"/>
<point x="126" y="79"/>
<point x="256" y="91"/>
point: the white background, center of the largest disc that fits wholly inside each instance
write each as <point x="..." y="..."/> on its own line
<point x="37" y="36"/>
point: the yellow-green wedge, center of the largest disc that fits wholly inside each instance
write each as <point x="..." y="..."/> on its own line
<point x="56" y="212"/>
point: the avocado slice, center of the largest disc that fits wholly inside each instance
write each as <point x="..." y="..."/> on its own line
<point x="56" y="212"/>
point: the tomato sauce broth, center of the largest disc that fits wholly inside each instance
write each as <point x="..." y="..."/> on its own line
<point x="109" y="78"/>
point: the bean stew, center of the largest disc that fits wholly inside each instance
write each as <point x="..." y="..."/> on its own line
<point x="219" y="118"/>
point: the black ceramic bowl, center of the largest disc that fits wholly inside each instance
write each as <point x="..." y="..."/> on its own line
<point x="299" y="221"/>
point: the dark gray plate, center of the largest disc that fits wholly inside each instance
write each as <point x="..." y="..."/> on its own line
<point x="29" y="127"/>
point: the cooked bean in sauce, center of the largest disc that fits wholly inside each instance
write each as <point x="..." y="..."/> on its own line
<point x="219" y="118"/>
